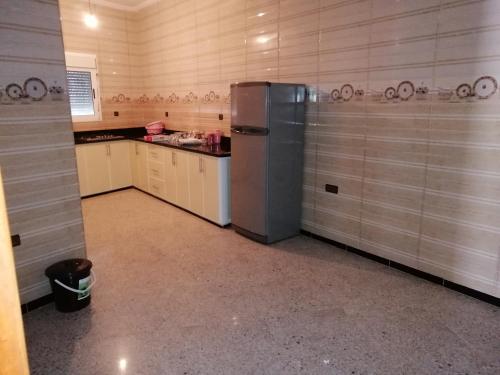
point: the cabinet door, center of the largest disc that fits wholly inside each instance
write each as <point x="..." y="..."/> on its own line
<point x="182" y="178"/>
<point x="119" y="164"/>
<point x="141" y="159"/>
<point x="82" y="170"/>
<point x="96" y="156"/>
<point x="196" y="183"/>
<point x="133" y="162"/>
<point x="170" y="189"/>
<point x="211" y="189"/>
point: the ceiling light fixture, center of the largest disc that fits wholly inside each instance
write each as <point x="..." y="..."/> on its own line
<point x="90" y="19"/>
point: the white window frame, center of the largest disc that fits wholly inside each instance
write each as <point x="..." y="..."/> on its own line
<point x="83" y="62"/>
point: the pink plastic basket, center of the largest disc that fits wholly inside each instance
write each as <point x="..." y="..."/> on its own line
<point x="155" y="127"/>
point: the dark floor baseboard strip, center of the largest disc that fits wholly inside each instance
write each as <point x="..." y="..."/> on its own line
<point x="107" y="192"/>
<point x="424" y="275"/>
<point x="182" y="208"/>
<point x="415" y="272"/>
<point x="324" y="239"/>
<point x="374" y="257"/>
<point x="35" y="304"/>
<point x="471" y="292"/>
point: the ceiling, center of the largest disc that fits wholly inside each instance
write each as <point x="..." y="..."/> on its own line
<point x="129" y="5"/>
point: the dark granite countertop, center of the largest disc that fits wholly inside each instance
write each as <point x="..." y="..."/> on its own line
<point x="137" y="134"/>
<point x="213" y="150"/>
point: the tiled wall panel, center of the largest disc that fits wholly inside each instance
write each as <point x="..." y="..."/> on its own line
<point x="418" y="175"/>
<point x="119" y="65"/>
<point x="37" y="153"/>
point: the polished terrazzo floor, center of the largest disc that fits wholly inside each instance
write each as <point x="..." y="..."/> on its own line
<point x="178" y="295"/>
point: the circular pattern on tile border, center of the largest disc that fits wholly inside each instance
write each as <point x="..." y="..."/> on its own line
<point x="14" y="91"/>
<point x="405" y="90"/>
<point x="464" y="90"/>
<point x="335" y="94"/>
<point x="346" y="92"/>
<point x="485" y="87"/>
<point x="35" y="88"/>
<point x="390" y="93"/>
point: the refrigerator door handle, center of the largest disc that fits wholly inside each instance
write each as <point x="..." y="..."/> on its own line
<point x="249" y="130"/>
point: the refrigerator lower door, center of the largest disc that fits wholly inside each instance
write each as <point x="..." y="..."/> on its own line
<point x="249" y="184"/>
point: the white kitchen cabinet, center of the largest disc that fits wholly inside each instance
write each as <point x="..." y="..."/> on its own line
<point x="170" y="174"/>
<point x="82" y="170"/>
<point x="176" y="177"/>
<point x="139" y="158"/>
<point x="182" y="178"/>
<point x="216" y="189"/>
<point x="119" y="165"/>
<point x="156" y="170"/>
<point x="209" y="187"/>
<point x="193" y="181"/>
<point x="103" y="167"/>
<point x="157" y="187"/>
<point x="196" y="182"/>
<point x="97" y="169"/>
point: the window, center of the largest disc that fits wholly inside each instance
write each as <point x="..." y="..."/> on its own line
<point x="83" y="87"/>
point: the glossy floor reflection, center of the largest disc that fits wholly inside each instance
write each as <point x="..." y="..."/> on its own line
<point x="177" y="295"/>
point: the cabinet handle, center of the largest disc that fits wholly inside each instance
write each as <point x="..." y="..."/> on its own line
<point x="174" y="161"/>
<point x="199" y="165"/>
<point x="136" y="149"/>
<point x="108" y="150"/>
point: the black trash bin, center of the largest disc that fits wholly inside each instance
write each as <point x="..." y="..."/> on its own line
<point x="71" y="281"/>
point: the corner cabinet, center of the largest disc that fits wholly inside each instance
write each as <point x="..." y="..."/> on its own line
<point x="103" y="167"/>
<point x="195" y="182"/>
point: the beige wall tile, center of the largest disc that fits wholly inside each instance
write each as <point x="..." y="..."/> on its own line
<point x="384" y="156"/>
<point x="389" y="237"/>
<point x="481" y="239"/>
<point x="37" y="153"/>
<point x="392" y="216"/>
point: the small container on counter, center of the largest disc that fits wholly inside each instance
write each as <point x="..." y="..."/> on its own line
<point x="210" y="139"/>
<point x="217" y="137"/>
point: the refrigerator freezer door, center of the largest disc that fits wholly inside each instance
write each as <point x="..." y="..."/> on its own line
<point x="249" y="106"/>
<point x="249" y="183"/>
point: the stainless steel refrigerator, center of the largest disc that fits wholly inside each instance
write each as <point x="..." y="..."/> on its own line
<point x="267" y="145"/>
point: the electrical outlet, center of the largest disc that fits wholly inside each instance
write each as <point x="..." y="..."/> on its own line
<point x="116" y="113"/>
<point x="221" y="116"/>
<point x="332" y="189"/>
<point x="16" y="240"/>
<point x="166" y="114"/>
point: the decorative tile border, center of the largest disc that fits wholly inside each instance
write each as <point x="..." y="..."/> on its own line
<point x="483" y="88"/>
<point x="172" y="98"/>
<point x="33" y="90"/>
<point x="211" y="97"/>
<point x="191" y="98"/>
